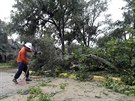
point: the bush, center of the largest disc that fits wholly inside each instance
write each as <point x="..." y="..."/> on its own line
<point x="37" y="95"/>
<point x="46" y="57"/>
<point x="118" y="87"/>
<point x="80" y="56"/>
<point x="128" y="79"/>
<point x="121" y="54"/>
<point x="35" y="90"/>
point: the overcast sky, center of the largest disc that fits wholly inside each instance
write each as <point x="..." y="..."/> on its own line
<point x="5" y="7"/>
<point x="114" y="9"/>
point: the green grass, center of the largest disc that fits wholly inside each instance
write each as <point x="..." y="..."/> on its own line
<point x="5" y="65"/>
<point x="118" y="87"/>
<point x="63" y="85"/>
<point x="35" y="94"/>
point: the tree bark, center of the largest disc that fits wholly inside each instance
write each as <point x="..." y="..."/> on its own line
<point x="63" y="46"/>
<point x="63" y="36"/>
<point x="83" y="37"/>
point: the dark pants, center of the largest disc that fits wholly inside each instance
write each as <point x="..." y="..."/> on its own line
<point x="22" y="67"/>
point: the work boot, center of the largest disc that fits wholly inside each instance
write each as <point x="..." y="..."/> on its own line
<point x="28" y="79"/>
<point x="15" y="81"/>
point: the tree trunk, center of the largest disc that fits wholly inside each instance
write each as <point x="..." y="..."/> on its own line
<point x="83" y="36"/>
<point x="63" y="37"/>
<point x="63" y="46"/>
<point x="88" y="43"/>
<point x="62" y="43"/>
<point x="68" y="49"/>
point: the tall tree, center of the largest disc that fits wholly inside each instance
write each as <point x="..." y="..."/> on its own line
<point x="3" y="41"/>
<point x="125" y="29"/>
<point x="3" y="36"/>
<point x="33" y="15"/>
<point x="86" y="26"/>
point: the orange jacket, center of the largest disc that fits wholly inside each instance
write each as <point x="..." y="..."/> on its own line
<point x="22" y="56"/>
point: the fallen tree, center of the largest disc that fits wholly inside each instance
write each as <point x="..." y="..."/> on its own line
<point x="102" y="60"/>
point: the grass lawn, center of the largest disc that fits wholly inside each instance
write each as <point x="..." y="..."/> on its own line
<point x="5" y="65"/>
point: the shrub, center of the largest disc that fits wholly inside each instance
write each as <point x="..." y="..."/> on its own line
<point x="128" y="79"/>
<point x="121" y="54"/>
<point x="46" y="57"/>
<point x="37" y="95"/>
<point x="118" y="87"/>
<point x="82" y="74"/>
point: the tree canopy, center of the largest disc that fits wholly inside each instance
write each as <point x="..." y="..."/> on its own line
<point x="3" y="37"/>
<point x="63" y="18"/>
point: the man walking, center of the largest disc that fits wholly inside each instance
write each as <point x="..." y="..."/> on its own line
<point x="22" y="62"/>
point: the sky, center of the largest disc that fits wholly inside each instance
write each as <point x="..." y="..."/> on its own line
<point x="5" y="8"/>
<point x="114" y="9"/>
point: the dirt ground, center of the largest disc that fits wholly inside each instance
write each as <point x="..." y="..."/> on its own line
<point x="61" y="89"/>
<point x="9" y="88"/>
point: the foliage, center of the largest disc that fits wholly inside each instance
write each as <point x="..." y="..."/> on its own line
<point x="44" y="97"/>
<point x="46" y="57"/>
<point x="81" y="56"/>
<point x="118" y="45"/>
<point x="66" y="20"/>
<point x="128" y="79"/>
<point x="52" y="14"/>
<point x="63" y="85"/>
<point x="81" y="64"/>
<point x="118" y="52"/>
<point x="3" y="41"/>
<point x="36" y="94"/>
<point x="121" y="53"/>
<point x="118" y="87"/>
<point x="8" y="47"/>
<point x="82" y="74"/>
<point x="5" y="65"/>
<point x="35" y="90"/>
<point x="86" y="26"/>
<point x="101" y="42"/>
